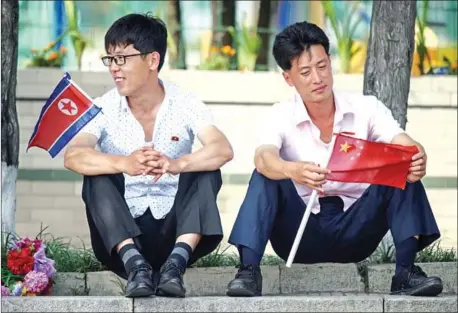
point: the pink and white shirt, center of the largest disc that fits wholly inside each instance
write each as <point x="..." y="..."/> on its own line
<point x="289" y="127"/>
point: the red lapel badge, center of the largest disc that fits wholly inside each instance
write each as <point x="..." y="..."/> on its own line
<point x="175" y="138"/>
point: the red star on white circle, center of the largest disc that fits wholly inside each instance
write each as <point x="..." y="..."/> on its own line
<point x="68" y="107"/>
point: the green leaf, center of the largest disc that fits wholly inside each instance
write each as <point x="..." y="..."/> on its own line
<point x="330" y="12"/>
<point x="347" y="32"/>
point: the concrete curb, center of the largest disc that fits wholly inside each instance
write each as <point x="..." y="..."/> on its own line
<point x="379" y="276"/>
<point x="277" y="280"/>
<point x="329" y="277"/>
<point x="303" y="303"/>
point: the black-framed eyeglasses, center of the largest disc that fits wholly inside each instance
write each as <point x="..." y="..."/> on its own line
<point x="119" y="59"/>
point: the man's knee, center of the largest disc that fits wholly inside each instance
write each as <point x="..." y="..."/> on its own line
<point x="102" y="185"/>
<point x="418" y="185"/>
<point x="389" y="190"/>
<point x="258" y="176"/>
<point x="103" y="180"/>
<point x="261" y="183"/>
<point x="213" y="177"/>
<point x="205" y="180"/>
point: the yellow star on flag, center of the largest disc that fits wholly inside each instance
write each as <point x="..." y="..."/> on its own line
<point x="345" y="147"/>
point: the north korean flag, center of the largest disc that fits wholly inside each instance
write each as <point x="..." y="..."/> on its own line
<point x="64" y="114"/>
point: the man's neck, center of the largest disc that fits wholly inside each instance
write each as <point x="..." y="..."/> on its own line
<point x="321" y="111"/>
<point x="148" y="99"/>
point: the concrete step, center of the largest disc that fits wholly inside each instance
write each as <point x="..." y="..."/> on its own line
<point x="338" y="302"/>
<point x="212" y="281"/>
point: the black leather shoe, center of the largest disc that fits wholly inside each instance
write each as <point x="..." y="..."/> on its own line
<point x="139" y="282"/>
<point x="171" y="281"/>
<point x="247" y="282"/>
<point x="414" y="282"/>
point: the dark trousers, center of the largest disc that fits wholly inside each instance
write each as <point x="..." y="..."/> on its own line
<point x="273" y="210"/>
<point x="110" y="222"/>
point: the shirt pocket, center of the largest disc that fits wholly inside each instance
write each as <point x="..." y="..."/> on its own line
<point x="176" y="142"/>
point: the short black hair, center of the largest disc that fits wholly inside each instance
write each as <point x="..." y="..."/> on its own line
<point x="294" y="39"/>
<point x="145" y="32"/>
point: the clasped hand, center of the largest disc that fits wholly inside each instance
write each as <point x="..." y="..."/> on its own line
<point x="147" y="161"/>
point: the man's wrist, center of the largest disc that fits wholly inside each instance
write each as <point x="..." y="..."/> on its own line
<point x="180" y="165"/>
<point x="117" y="161"/>
<point x="286" y="168"/>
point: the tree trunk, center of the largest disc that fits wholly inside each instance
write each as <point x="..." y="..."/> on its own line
<point x="265" y="12"/>
<point x="228" y="19"/>
<point x="176" y="32"/>
<point x="389" y="55"/>
<point x="389" y="63"/>
<point x="181" y="47"/>
<point x="9" y="122"/>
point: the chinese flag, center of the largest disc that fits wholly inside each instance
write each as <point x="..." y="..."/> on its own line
<point x="361" y="161"/>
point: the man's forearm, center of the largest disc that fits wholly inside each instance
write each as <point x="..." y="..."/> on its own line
<point x="271" y="165"/>
<point x="87" y="161"/>
<point x="208" y="158"/>
<point x="404" y="140"/>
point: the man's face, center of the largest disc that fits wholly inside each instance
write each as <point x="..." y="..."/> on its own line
<point x="134" y="74"/>
<point x="311" y="75"/>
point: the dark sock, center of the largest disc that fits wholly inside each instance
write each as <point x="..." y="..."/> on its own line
<point x="129" y="254"/>
<point x="405" y="253"/>
<point x="248" y="256"/>
<point x="181" y="253"/>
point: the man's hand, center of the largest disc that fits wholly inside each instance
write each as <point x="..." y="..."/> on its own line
<point x="166" y="165"/>
<point x="307" y="173"/>
<point x="417" y="169"/>
<point x="160" y="164"/>
<point x="139" y="162"/>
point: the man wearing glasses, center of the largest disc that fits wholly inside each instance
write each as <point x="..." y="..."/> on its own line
<point x="150" y="200"/>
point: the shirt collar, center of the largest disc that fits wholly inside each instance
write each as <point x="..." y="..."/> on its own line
<point x="343" y="107"/>
<point x="125" y="105"/>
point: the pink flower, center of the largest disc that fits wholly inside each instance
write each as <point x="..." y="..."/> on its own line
<point x="5" y="291"/>
<point x="35" y="282"/>
<point x="28" y="243"/>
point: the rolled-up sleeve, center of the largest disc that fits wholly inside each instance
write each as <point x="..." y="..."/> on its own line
<point x="95" y="126"/>
<point x="383" y="127"/>
<point x="269" y="129"/>
<point x="200" y="115"/>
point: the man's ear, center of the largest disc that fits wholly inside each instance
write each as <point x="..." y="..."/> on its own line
<point x="287" y="78"/>
<point x="154" y="59"/>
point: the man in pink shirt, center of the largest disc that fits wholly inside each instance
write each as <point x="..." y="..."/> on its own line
<point x="349" y="220"/>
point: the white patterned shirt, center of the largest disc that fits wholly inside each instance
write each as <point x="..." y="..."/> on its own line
<point x="289" y="128"/>
<point x="180" y="118"/>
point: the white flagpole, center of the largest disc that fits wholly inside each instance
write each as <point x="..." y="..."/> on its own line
<point x="306" y="216"/>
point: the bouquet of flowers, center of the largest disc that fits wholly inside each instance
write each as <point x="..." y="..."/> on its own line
<point x="28" y="271"/>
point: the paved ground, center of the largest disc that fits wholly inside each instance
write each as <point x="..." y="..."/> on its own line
<point x="298" y="303"/>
